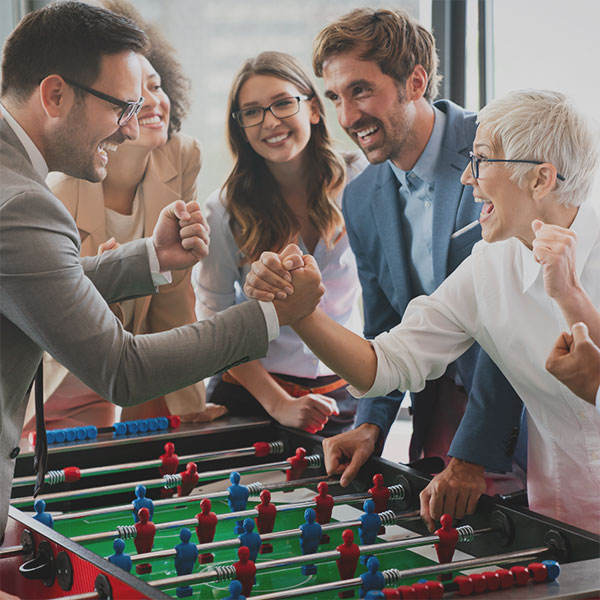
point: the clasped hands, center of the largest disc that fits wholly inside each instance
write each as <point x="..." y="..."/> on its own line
<point x="291" y="280"/>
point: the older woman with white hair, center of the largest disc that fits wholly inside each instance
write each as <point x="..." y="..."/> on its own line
<point x="536" y="273"/>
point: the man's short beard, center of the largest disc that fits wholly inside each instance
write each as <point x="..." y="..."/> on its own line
<point x="63" y="150"/>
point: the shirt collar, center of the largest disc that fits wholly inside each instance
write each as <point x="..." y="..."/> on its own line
<point x="424" y="168"/>
<point x="35" y="156"/>
<point x="587" y="227"/>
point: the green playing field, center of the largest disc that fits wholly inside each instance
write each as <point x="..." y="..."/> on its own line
<point x="266" y="581"/>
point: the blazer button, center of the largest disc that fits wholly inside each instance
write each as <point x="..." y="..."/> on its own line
<point x="15" y="452"/>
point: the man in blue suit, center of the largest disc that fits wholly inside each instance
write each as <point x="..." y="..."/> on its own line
<point x="410" y="224"/>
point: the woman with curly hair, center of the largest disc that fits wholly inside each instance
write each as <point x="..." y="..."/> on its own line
<point x="144" y="175"/>
<point x="286" y="185"/>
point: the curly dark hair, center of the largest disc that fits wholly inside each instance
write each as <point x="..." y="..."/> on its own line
<point x="162" y="56"/>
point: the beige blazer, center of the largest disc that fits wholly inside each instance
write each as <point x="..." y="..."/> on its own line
<point x="171" y="175"/>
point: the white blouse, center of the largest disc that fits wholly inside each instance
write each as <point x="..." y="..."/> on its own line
<point x="496" y="297"/>
<point x="219" y="278"/>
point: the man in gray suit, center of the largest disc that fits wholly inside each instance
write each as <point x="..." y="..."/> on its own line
<point x="71" y="82"/>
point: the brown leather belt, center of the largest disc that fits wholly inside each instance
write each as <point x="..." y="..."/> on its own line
<point x="294" y="389"/>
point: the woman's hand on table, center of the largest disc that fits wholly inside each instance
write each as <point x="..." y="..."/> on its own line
<point x="309" y="412"/>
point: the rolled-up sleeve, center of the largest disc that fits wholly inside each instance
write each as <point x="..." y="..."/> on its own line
<point x="435" y="331"/>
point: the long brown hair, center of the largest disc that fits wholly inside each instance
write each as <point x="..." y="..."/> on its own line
<point x="260" y="219"/>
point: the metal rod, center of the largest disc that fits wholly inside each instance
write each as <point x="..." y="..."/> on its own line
<point x="273" y="487"/>
<point x="240" y="515"/>
<point x="393" y="576"/>
<point x="152" y="483"/>
<point x="267" y="537"/>
<point x="86" y="596"/>
<point x="319" y="557"/>
<point x="132" y="466"/>
<point x="10" y="551"/>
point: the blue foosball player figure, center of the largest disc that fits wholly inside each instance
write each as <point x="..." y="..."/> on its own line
<point x="310" y="538"/>
<point x="119" y="558"/>
<point x="370" y="522"/>
<point x="250" y="539"/>
<point x="141" y="502"/>
<point x="41" y="515"/>
<point x="375" y="595"/>
<point x="373" y="579"/>
<point x="238" y="498"/>
<point x="235" y="591"/>
<point x="186" y="555"/>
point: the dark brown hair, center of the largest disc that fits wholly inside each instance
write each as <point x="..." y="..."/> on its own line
<point x="65" y="38"/>
<point x="260" y="218"/>
<point x="389" y="38"/>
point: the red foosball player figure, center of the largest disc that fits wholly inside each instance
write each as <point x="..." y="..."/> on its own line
<point x="448" y="539"/>
<point x="298" y="465"/>
<point x="266" y="519"/>
<point x="189" y="479"/>
<point x="323" y="507"/>
<point x="170" y="462"/>
<point x="348" y="560"/>
<point x="207" y="523"/>
<point x="144" y="539"/>
<point x="380" y="494"/>
<point x="245" y="570"/>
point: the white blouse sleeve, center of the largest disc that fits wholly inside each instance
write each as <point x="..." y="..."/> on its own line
<point x="214" y="278"/>
<point x="435" y="331"/>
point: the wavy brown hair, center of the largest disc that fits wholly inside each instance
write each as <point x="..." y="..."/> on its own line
<point x="162" y="56"/>
<point x="260" y="219"/>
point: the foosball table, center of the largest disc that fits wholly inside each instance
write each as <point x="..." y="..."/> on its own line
<point x="185" y="512"/>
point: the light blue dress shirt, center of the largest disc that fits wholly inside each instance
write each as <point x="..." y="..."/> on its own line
<point x="415" y="194"/>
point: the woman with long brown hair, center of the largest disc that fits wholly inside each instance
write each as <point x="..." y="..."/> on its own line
<point x="285" y="186"/>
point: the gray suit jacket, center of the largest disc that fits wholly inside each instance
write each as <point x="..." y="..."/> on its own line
<point x="53" y="300"/>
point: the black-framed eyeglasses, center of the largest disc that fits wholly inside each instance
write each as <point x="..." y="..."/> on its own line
<point x="475" y="160"/>
<point x="280" y="109"/>
<point x="128" y="108"/>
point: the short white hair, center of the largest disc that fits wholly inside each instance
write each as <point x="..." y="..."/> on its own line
<point x="545" y="126"/>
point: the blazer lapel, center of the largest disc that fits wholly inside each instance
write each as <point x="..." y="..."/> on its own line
<point x="446" y="200"/>
<point x="159" y="189"/>
<point x="451" y="163"/>
<point x="388" y="218"/>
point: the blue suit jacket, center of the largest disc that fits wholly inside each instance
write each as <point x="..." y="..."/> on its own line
<point x="489" y="429"/>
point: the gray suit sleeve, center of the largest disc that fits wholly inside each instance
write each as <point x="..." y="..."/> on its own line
<point x="121" y="274"/>
<point x="54" y="303"/>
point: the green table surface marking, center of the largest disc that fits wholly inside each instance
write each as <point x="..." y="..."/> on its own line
<point x="280" y="579"/>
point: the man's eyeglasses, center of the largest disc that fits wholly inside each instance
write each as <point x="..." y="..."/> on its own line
<point x="475" y="160"/>
<point x="280" y="109"/>
<point x="128" y="109"/>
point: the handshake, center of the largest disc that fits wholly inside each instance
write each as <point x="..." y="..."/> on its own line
<point x="291" y="280"/>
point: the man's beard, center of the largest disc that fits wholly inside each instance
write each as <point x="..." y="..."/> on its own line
<point x="398" y="135"/>
<point x="69" y="152"/>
